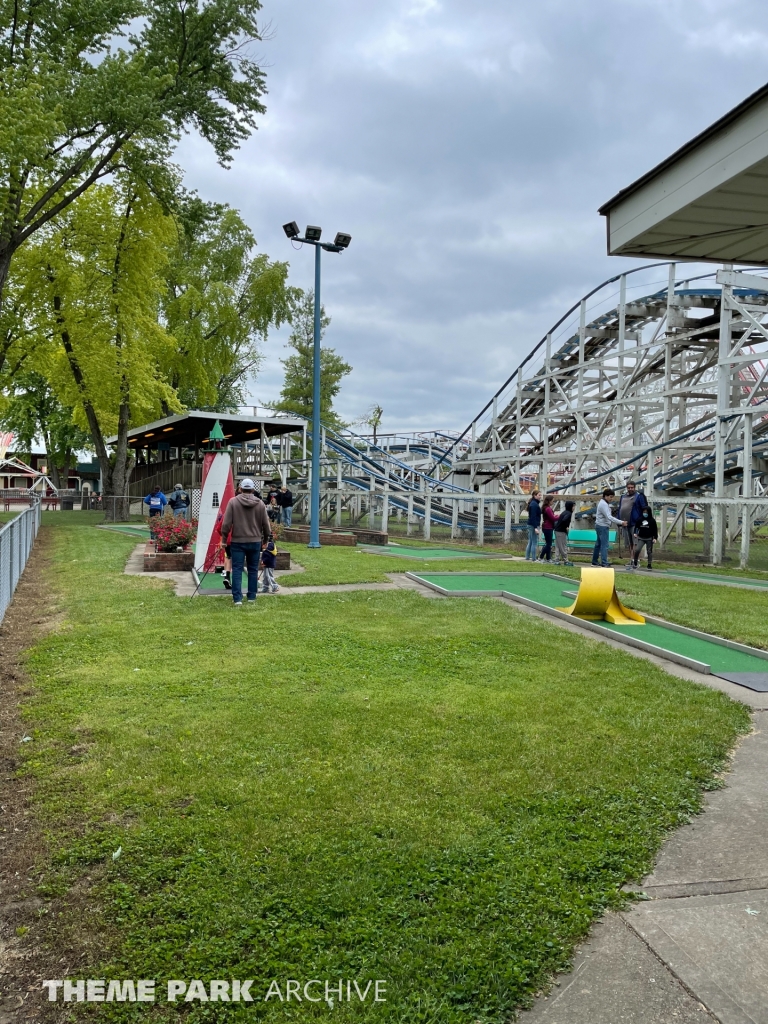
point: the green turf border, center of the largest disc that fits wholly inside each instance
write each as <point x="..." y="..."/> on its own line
<point x="692" y="576"/>
<point x="595" y="627"/>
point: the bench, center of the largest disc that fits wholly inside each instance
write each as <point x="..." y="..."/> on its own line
<point x="586" y="538"/>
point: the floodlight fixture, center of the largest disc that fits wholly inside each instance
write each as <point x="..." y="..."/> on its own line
<point x="292" y="229"/>
<point x="342" y="239"/>
<point x="313" y="233"/>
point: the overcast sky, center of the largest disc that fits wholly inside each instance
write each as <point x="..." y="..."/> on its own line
<point x="466" y="148"/>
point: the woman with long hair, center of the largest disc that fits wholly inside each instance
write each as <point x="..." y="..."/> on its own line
<point x="548" y="520"/>
<point x="534" y="526"/>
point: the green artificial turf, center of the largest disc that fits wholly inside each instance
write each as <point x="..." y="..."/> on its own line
<point x="142" y="532"/>
<point x="721" y="578"/>
<point x="353" y="785"/>
<point x="331" y="565"/>
<point x="733" y="613"/>
<point x="403" y="551"/>
<point x="550" y="592"/>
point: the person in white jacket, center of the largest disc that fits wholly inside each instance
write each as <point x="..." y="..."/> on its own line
<point x="603" y="521"/>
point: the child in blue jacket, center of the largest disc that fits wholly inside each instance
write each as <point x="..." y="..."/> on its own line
<point x="269" y="561"/>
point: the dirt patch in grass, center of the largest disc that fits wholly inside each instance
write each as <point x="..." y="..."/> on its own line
<point x="30" y="947"/>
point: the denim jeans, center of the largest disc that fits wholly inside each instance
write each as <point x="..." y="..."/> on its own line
<point x="601" y="546"/>
<point x="248" y="554"/>
<point x="285" y="515"/>
<point x="533" y="543"/>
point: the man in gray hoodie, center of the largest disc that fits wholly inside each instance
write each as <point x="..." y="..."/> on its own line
<point x="246" y="516"/>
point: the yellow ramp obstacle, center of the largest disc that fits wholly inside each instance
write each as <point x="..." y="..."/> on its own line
<point x="597" y="600"/>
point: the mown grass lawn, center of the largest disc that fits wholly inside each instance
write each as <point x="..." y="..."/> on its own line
<point x="440" y="794"/>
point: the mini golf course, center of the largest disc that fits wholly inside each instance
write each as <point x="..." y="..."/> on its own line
<point x="425" y="554"/>
<point x="134" y="530"/>
<point x="747" y="582"/>
<point x="702" y="652"/>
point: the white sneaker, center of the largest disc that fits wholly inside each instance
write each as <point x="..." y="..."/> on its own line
<point x="238" y="604"/>
<point x="274" y="589"/>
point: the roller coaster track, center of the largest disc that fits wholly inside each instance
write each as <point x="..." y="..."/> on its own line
<point x="630" y="388"/>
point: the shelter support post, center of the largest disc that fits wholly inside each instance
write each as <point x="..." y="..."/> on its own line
<point x="746" y="490"/>
<point x="385" y="509"/>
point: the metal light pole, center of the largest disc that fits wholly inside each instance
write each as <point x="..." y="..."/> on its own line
<point x="314" y="498"/>
<point x="312" y="237"/>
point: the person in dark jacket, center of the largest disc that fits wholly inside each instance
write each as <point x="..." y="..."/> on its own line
<point x="631" y="506"/>
<point x="646" y="532"/>
<point x="562" y="526"/>
<point x="548" y="520"/>
<point x="285" y="501"/>
<point x="246" y="519"/>
<point x="179" y="500"/>
<point x="534" y="526"/>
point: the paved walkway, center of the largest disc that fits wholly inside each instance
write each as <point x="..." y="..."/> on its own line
<point x="697" y="948"/>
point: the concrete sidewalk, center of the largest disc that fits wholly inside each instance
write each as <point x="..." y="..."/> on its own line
<point x="697" y="948"/>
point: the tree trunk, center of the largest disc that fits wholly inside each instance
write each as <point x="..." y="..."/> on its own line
<point x="115" y="475"/>
<point x="6" y="254"/>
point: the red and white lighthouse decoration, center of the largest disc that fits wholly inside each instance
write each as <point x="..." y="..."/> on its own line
<point x="217" y="489"/>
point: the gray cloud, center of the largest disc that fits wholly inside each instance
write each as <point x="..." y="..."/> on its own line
<point x="466" y="148"/>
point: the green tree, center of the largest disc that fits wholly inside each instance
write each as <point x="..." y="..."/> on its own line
<point x="91" y="86"/>
<point x="296" y="394"/>
<point x="373" y="419"/>
<point x="100" y="277"/>
<point x="33" y="411"/>
<point x="221" y="301"/>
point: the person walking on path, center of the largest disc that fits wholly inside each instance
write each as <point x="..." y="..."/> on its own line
<point x="246" y="518"/>
<point x="603" y="522"/>
<point x="179" y="501"/>
<point x="534" y="526"/>
<point x="273" y="510"/>
<point x="646" y="532"/>
<point x="631" y="508"/>
<point x="562" y="526"/>
<point x="269" y="561"/>
<point x="285" y="501"/>
<point x="156" y="501"/>
<point x="548" y="520"/>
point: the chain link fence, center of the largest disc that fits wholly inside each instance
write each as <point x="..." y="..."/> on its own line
<point x="16" y="540"/>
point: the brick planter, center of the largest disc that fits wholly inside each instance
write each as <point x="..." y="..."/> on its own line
<point x="283" y="560"/>
<point x="300" y="535"/>
<point x="167" y="561"/>
<point x="365" y="536"/>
